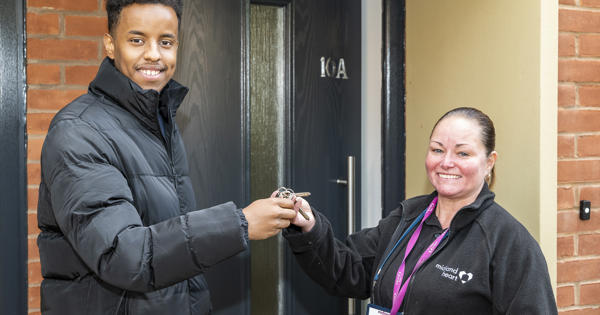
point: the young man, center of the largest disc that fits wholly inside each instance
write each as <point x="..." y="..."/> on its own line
<point x="120" y="232"/>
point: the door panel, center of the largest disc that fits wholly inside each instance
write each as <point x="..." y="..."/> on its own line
<point x="323" y="126"/>
<point x="326" y="127"/>
<point x="212" y="123"/>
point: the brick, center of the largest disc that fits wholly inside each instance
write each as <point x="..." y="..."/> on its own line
<point x="582" y="311"/>
<point x="565" y="246"/>
<point x="42" y="24"/>
<point x="43" y="74"/>
<point x="578" y="120"/>
<point x="51" y="99"/>
<point x="589" y="294"/>
<point x="37" y="123"/>
<point x="588" y="146"/>
<point x="62" y="49"/>
<point x="565" y="296"/>
<point x="32" y="199"/>
<point x="33" y="173"/>
<point x="566" y="45"/>
<point x="579" y="70"/>
<point x="67" y="5"/>
<point x="566" y="95"/>
<point x="566" y="146"/>
<point x="589" y="95"/>
<point x="81" y="75"/>
<point x="32" y="225"/>
<point x="85" y="25"/>
<point x="569" y="222"/>
<point x="34" y="149"/>
<point x="578" y="171"/>
<point x="578" y="270"/>
<point x="34" y="271"/>
<point x="578" y="21"/>
<point x="565" y="197"/>
<point x="33" y="297"/>
<point x="589" y="244"/>
<point x="32" y="249"/>
<point x="589" y="45"/>
<point x="567" y="2"/>
<point x="592" y="194"/>
<point x="590" y="3"/>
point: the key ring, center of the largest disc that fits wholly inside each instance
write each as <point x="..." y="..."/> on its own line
<point x="288" y="193"/>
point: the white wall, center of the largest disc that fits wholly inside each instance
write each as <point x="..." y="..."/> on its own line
<point x="371" y="112"/>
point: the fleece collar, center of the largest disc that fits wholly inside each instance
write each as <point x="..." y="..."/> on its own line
<point x="411" y="208"/>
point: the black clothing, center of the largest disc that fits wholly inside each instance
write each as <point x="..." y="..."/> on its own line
<point x="487" y="264"/>
<point x="120" y="233"/>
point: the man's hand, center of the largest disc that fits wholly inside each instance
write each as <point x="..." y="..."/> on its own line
<point x="299" y="220"/>
<point x="266" y="217"/>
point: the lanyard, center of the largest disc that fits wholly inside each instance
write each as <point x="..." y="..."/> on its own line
<point x="399" y="288"/>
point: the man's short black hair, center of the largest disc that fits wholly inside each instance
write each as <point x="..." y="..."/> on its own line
<point x="114" y="8"/>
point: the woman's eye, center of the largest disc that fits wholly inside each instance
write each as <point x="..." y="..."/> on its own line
<point x="463" y="154"/>
<point x="437" y="150"/>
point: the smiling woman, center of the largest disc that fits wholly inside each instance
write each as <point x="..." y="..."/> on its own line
<point x="460" y="157"/>
<point x="454" y="251"/>
<point x="144" y="44"/>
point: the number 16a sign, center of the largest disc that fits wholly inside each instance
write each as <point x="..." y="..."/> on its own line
<point x="332" y="69"/>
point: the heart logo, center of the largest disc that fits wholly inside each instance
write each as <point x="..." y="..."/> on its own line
<point x="465" y="277"/>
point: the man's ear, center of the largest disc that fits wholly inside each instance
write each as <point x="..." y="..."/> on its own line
<point x="109" y="46"/>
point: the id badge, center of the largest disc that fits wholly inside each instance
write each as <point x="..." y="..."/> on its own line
<point x="373" y="309"/>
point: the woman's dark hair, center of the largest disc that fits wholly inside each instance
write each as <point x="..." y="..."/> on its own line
<point x="488" y="133"/>
<point x="114" y="8"/>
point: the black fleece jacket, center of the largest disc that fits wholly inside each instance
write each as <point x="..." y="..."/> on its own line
<point x="120" y="231"/>
<point x="488" y="264"/>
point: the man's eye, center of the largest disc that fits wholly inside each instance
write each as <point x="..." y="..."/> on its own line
<point x="137" y="41"/>
<point x="166" y="43"/>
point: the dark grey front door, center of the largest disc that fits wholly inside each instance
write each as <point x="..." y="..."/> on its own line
<point x="322" y="125"/>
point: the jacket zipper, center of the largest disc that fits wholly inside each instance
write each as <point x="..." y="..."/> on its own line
<point x="412" y="279"/>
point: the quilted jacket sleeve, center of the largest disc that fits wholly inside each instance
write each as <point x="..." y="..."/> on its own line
<point x="93" y="207"/>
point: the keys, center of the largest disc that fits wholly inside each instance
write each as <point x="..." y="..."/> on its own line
<point x="289" y="193"/>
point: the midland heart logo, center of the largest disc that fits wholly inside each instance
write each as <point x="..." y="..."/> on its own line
<point x="465" y="277"/>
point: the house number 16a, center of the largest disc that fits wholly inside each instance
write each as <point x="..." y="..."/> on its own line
<point x="329" y="68"/>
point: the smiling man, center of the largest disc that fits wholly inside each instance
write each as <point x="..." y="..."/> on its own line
<point x="120" y="232"/>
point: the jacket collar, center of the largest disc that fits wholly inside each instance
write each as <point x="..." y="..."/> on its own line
<point x="143" y="104"/>
<point x="411" y="208"/>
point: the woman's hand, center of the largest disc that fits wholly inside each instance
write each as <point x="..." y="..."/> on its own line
<point x="299" y="220"/>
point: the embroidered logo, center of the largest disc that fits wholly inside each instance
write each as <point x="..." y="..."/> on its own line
<point x="465" y="277"/>
<point x="454" y="274"/>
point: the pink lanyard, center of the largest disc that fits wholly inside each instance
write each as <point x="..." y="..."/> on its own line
<point x="399" y="288"/>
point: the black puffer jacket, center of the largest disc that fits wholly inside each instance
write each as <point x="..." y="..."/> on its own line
<point x="120" y="233"/>
<point x="488" y="264"/>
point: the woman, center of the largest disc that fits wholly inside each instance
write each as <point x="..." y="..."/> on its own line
<point x="454" y="251"/>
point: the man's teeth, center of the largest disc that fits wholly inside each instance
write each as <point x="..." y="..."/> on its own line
<point x="150" y="72"/>
<point x="448" y="176"/>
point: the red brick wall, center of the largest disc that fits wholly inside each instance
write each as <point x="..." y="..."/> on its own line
<point x="64" y="49"/>
<point x="578" y="156"/>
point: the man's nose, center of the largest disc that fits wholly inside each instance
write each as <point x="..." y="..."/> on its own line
<point x="152" y="52"/>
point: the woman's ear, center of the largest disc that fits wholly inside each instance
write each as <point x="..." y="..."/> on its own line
<point x="491" y="160"/>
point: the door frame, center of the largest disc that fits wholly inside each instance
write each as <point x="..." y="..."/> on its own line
<point x="393" y="101"/>
<point x="13" y="154"/>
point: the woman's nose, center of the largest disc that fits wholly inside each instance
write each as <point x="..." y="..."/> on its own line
<point x="447" y="161"/>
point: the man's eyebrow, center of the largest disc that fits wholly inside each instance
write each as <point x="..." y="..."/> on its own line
<point x="169" y="35"/>
<point x="134" y="32"/>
